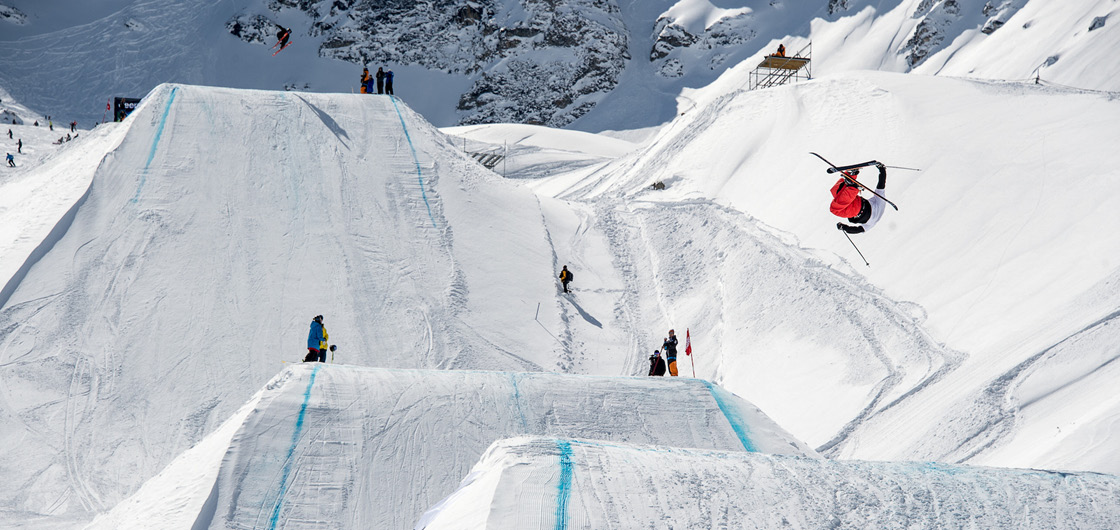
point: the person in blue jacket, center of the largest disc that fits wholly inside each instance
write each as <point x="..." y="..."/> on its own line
<point x="316" y="341"/>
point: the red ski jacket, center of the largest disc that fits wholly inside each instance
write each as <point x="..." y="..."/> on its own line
<point x="845" y="200"/>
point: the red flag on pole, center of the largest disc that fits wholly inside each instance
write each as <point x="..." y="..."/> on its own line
<point x="688" y="350"/>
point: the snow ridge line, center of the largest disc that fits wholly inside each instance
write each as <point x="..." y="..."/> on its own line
<point x="733" y="418"/>
<point x="415" y="160"/>
<point x="291" y="450"/>
<point x="155" y="143"/>
<point x="564" y="488"/>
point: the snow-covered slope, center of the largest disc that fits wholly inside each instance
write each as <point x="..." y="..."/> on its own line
<point x="348" y="447"/>
<point x="999" y="269"/>
<point x="205" y="243"/>
<point x="561" y="483"/>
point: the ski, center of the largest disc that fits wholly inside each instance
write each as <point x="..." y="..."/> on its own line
<point x="281" y="49"/>
<point x="853" y="166"/>
<point x="858" y="183"/>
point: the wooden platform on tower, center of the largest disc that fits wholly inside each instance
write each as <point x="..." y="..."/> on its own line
<point x="775" y="70"/>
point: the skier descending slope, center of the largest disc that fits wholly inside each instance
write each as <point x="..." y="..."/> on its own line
<point x="847" y="202"/>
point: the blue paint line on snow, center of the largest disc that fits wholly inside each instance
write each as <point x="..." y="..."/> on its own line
<point x="155" y="144"/>
<point x="415" y="159"/>
<point x="730" y="411"/>
<point x="517" y="402"/>
<point x="292" y="451"/>
<point x="564" y="488"/>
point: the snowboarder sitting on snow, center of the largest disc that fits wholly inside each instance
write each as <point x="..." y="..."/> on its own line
<point x="781" y="51"/>
<point x="846" y="201"/>
<point x="565" y="277"/>
<point x="282" y="35"/>
<point x="670" y="349"/>
<point x="656" y="364"/>
<point x="316" y="341"/>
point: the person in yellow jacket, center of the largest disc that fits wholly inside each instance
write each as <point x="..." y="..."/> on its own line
<point x="316" y="341"/>
<point x="565" y="277"/>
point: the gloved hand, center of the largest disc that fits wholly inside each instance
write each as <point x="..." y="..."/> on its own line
<point x="880" y="165"/>
<point x="840" y="226"/>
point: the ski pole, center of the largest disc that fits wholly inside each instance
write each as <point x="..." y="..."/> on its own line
<point x="857" y="249"/>
<point x="906" y="168"/>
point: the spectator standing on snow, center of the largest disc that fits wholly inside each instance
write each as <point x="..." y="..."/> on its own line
<point x="389" y="82"/>
<point x="316" y="341"/>
<point x="670" y="349"/>
<point x="656" y="364"/>
<point x="367" y="81"/>
<point x="380" y="80"/>
<point x="73" y="125"/>
<point x="19" y="146"/>
<point x="565" y="277"/>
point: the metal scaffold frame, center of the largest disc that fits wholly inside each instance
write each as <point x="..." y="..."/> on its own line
<point x="774" y="70"/>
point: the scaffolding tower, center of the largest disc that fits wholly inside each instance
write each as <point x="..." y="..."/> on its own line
<point x="775" y="70"/>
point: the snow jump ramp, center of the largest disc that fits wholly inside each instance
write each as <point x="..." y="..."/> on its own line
<point x="333" y="446"/>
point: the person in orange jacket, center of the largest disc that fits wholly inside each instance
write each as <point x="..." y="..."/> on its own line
<point x="366" y="79"/>
<point x="847" y="202"/>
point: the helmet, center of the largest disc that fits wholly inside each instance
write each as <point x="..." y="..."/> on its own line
<point x="318" y="318"/>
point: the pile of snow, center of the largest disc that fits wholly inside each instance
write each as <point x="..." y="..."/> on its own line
<point x="559" y="483"/>
<point x="375" y="448"/>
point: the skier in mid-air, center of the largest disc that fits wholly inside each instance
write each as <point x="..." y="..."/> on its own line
<point x="847" y="202"/>
<point x="282" y="36"/>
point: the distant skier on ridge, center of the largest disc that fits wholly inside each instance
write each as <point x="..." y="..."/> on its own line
<point x="847" y="202"/>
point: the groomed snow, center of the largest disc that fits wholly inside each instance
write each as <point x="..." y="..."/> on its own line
<point x="536" y="482"/>
<point x="332" y="446"/>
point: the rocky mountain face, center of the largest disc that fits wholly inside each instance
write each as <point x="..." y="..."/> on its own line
<point x="549" y="62"/>
<point x="537" y="61"/>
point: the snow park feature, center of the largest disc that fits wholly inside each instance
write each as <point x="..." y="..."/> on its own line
<point x="159" y="271"/>
<point x="536" y="482"/>
<point x="330" y="446"/>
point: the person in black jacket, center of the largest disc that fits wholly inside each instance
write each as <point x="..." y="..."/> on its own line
<point x="670" y="349"/>
<point x="282" y="35"/>
<point x="656" y="364"/>
<point x="380" y="80"/>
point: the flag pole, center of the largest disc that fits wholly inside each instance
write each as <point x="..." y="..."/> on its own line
<point x="688" y="350"/>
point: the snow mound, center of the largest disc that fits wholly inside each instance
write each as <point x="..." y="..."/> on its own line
<point x="535" y="482"/>
<point x="340" y="446"/>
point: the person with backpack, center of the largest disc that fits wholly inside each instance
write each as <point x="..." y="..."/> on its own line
<point x="847" y="202"/>
<point x="316" y="341"/>
<point x="670" y="349"/>
<point x="565" y="277"/>
<point x="656" y="364"/>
